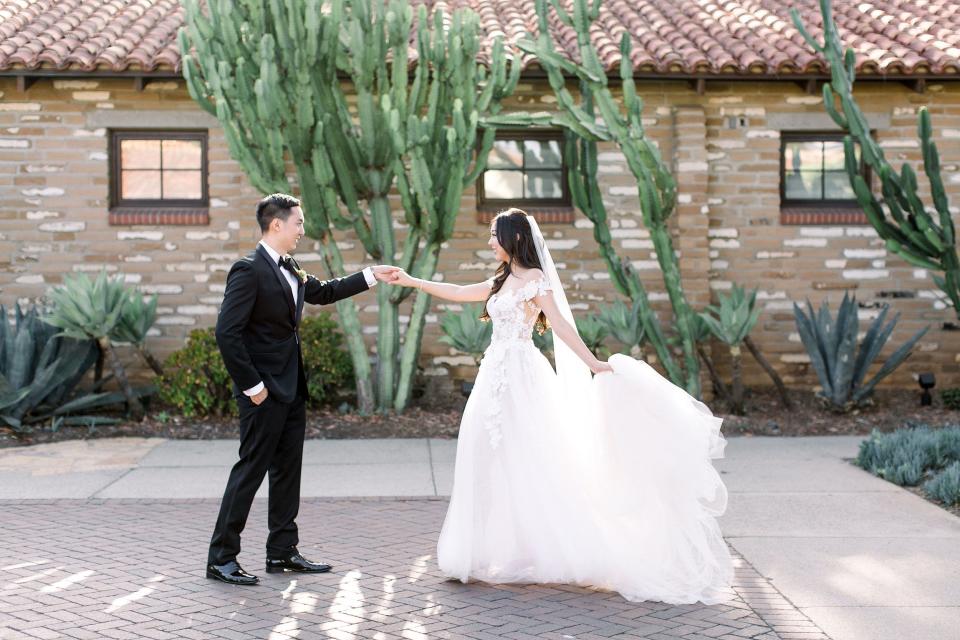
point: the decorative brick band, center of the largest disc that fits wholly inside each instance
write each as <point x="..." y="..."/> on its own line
<point x="822" y="215"/>
<point x="544" y="215"/>
<point x="160" y="216"/>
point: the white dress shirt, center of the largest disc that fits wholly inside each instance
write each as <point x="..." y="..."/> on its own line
<point x="292" y="281"/>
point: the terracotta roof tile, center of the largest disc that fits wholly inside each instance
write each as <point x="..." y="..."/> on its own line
<point x="684" y="37"/>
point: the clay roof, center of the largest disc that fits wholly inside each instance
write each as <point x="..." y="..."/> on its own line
<point x="671" y="37"/>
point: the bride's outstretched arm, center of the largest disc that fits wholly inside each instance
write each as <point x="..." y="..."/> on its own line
<point x="568" y="333"/>
<point x="454" y="292"/>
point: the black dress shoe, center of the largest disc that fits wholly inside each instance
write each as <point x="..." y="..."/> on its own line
<point x="295" y="562"/>
<point x="231" y="573"/>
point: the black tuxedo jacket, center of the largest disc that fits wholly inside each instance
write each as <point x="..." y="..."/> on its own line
<point x="258" y="321"/>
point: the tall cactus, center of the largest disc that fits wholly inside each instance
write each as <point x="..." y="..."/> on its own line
<point x="581" y="155"/>
<point x="265" y="98"/>
<point x="912" y="233"/>
<point x="415" y="132"/>
<point x="434" y="130"/>
<point x="623" y="126"/>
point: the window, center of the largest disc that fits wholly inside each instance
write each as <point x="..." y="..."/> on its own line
<point x="526" y="169"/>
<point x="814" y="186"/>
<point x="158" y="177"/>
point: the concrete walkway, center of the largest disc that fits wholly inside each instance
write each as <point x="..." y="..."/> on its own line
<point x="859" y="557"/>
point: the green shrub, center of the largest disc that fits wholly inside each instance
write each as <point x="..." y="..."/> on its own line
<point x="907" y="455"/>
<point x="326" y="361"/>
<point x="900" y="457"/>
<point x="947" y="446"/>
<point x="195" y="380"/>
<point x="951" y="398"/>
<point x="945" y="486"/>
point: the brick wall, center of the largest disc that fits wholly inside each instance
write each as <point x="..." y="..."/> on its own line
<point x="54" y="186"/>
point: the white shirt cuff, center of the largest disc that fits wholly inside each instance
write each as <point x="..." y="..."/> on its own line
<point x="252" y="391"/>
<point x="368" y="274"/>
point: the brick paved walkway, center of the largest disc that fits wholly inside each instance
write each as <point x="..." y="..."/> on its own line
<point x="134" y="569"/>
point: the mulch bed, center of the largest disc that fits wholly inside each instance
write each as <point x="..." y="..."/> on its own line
<point x="892" y="408"/>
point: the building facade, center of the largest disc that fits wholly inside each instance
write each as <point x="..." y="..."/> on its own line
<point x="122" y="171"/>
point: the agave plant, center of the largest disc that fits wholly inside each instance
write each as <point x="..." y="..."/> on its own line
<point x="701" y="333"/>
<point x="544" y="342"/>
<point x="136" y="318"/>
<point x="37" y="369"/>
<point x="91" y="309"/>
<point x="731" y="322"/>
<point x="466" y="332"/>
<point x="624" y="324"/>
<point x="592" y="331"/>
<point x="832" y="347"/>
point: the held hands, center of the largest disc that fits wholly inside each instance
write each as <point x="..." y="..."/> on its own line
<point x="403" y="279"/>
<point x="385" y="273"/>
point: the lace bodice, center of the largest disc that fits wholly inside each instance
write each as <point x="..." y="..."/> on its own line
<point x="514" y="311"/>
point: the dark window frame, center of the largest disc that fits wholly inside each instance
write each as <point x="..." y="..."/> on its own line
<point x="565" y="201"/>
<point x="787" y="137"/>
<point x="129" y="204"/>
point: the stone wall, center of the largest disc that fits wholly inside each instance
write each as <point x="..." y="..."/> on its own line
<point x="54" y="200"/>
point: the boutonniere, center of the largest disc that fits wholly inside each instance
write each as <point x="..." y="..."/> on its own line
<point x="301" y="274"/>
<point x="288" y="262"/>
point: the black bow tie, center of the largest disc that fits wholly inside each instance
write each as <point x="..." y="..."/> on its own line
<point x="286" y="263"/>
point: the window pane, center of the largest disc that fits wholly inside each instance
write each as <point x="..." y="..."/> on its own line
<point x="505" y="154"/>
<point x="140" y="154"/>
<point x="836" y="186"/>
<point x="803" y="185"/>
<point x="182" y="185"/>
<point x="803" y="155"/>
<point x="543" y="184"/>
<point x="181" y="154"/>
<point x="542" y="154"/>
<point x="833" y="155"/>
<point x="140" y="185"/>
<point x="503" y="185"/>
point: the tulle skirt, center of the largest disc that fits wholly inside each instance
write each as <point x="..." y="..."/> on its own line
<point x="609" y="487"/>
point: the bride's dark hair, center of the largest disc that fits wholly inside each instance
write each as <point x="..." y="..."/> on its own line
<point x="516" y="237"/>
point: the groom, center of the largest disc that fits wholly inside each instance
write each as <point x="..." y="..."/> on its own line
<point x="258" y="339"/>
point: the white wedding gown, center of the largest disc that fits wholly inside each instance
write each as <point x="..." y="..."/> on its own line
<point x="609" y="486"/>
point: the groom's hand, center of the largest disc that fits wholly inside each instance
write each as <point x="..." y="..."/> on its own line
<point x="260" y="397"/>
<point x="385" y="272"/>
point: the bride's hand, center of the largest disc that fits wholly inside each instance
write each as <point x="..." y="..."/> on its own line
<point x="403" y="279"/>
<point x="598" y="366"/>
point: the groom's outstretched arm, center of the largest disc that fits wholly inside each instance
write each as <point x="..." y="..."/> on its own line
<point x="238" y="300"/>
<point x="330" y="291"/>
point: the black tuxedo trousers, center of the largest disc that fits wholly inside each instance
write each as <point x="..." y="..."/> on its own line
<point x="271" y="442"/>
<point x="257" y="333"/>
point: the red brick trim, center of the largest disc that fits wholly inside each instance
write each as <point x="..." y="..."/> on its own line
<point x="823" y="215"/>
<point x="160" y="216"/>
<point x="544" y="215"/>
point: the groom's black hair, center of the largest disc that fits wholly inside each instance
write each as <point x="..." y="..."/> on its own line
<point x="275" y="205"/>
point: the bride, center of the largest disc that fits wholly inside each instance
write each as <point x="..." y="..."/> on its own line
<point x="561" y="477"/>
